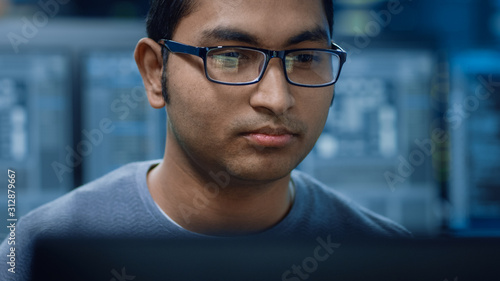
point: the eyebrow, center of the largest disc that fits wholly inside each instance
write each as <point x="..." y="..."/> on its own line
<point x="316" y="35"/>
<point x="231" y="34"/>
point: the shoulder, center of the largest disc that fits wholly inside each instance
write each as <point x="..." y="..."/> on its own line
<point x="326" y="205"/>
<point x="108" y="206"/>
<point x="100" y="202"/>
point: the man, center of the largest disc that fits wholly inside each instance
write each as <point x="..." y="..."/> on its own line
<point x="240" y="119"/>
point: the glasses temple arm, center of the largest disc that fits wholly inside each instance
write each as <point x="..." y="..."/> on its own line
<point x="338" y="47"/>
<point x="176" y="47"/>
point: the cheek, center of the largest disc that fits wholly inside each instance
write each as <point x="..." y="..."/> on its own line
<point x="195" y="110"/>
<point x="321" y="116"/>
<point x="189" y="115"/>
<point x="317" y="107"/>
<point x="185" y="89"/>
<point x="316" y="114"/>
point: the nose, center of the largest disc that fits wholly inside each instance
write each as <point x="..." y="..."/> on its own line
<point x="273" y="91"/>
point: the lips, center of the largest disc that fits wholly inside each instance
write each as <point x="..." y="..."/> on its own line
<point x="270" y="137"/>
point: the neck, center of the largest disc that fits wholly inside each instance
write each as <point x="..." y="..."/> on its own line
<point x="216" y="203"/>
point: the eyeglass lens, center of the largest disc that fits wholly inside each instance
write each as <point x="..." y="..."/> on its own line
<point x="241" y="65"/>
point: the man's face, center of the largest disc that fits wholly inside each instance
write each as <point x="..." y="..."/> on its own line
<point x="258" y="132"/>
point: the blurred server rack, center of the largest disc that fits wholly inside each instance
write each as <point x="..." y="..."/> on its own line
<point x="474" y="124"/>
<point x="52" y="86"/>
<point x="119" y="125"/>
<point x="36" y="118"/>
<point x="376" y="143"/>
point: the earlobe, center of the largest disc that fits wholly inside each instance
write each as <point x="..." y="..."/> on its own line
<point x="150" y="63"/>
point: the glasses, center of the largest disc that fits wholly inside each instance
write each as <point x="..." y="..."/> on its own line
<point x="236" y="65"/>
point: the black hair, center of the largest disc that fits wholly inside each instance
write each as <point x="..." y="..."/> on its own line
<point x="164" y="16"/>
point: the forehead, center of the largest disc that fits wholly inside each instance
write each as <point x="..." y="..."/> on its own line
<point x="271" y="22"/>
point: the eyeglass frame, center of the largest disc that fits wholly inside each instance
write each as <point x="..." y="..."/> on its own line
<point x="177" y="47"/>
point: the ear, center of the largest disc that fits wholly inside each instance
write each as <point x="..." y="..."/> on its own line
<point x="150" y="63"/>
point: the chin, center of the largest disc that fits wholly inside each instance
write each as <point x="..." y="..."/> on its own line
<point x="260" y="173"/>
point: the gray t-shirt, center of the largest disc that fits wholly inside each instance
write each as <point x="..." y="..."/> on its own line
<point x="119" y="205"/>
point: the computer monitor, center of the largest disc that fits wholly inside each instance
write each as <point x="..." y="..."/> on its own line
<point x="320" y="258"/>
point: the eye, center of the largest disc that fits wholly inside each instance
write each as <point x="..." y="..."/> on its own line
<point x="303" y="58"/>
<point x="231" y="54"/>
<point x="227" y="59"/>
